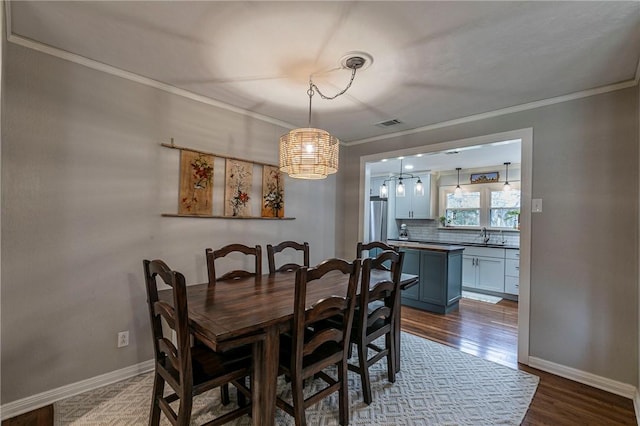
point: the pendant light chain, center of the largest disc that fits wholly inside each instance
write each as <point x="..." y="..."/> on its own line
<point x="323" y="96"/>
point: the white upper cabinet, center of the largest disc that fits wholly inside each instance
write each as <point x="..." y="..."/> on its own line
<point x="412" y="206"/>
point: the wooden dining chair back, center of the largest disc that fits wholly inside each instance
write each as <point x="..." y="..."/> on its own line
<point x="287" y="267"/>
<point x="373" y="248"/>
<point x="188" y="370"/>
<point x="212" y="255"/>
<point x="316" y="343"/>
<point x="378" y="306"/>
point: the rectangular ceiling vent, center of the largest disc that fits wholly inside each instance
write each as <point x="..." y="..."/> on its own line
<point x="389" y="123"/>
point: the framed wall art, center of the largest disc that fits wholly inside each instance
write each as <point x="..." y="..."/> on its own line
<point x="196" y="183"/>
<point x="272" y="192"/>
<point x="486" y="177"/>
<point x="238" y="177"/>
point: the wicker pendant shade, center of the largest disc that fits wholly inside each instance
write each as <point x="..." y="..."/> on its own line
<point x="309" y="153"/>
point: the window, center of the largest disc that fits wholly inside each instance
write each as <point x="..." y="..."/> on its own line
<point x="504" y="209"/>
<point x="463" y="210"/>
<point x="482" y="205"/>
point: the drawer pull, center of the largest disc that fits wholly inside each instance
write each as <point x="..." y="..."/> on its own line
<point x="517" y="267"/>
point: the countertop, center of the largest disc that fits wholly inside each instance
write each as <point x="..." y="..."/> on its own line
<point x="425" y="246"/>
<point x="433" y="245"/>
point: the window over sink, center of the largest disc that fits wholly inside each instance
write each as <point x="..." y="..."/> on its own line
<point x="482" y="205"/>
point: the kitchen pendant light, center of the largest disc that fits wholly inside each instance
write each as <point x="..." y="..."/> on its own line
<point x="310" y="153"/>
<point x="506" y="187"/>
<point x="384" y="191"/>
<point x="401" y="190"/>
<point x="458" y="191"/>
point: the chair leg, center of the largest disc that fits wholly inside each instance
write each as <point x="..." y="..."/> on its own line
<point x="224" y="394"/>
<point x="391" y="357"/>
<point x="184" y="412"/>
<point x="343" y="393"/>
<point x="242" y="399"/>
<point x="364" y="372"/>
<point x="158" y="389"/>
<point x="297" y="385"/>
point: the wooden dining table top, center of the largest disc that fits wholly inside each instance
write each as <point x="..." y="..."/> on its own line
<point x="229" y="310"/>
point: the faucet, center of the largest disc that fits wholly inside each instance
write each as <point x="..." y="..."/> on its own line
<point x="485" y="235"/>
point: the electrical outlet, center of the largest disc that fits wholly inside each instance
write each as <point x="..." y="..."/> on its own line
<point x="123" y="339"/>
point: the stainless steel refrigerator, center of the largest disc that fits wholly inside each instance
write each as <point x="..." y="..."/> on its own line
<point x="378" y="219"/>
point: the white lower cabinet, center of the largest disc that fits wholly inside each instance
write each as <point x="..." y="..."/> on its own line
<point x="512" y="271"/>
<point x="490" y="268"/>
<point x="483" y="268"/>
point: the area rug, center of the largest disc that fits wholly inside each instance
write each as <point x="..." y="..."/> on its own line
<point x="481" y="297"/>
<point x="438" y="385"/>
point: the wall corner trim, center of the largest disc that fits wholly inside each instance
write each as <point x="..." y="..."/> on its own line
<point x="636" y="406"/>
<point x="589" y="379"/>
<point x="40" y="400"/>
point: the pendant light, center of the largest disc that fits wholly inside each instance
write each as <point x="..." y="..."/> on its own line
<point x="310" y="153"/>
<point x="458" y="191"/>
<point x="506" y="187"/>
<point x="401" y="189"/>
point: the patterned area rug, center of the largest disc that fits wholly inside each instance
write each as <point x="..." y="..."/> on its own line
<point x="438" y="385"/>
<point x="480" y="297"/>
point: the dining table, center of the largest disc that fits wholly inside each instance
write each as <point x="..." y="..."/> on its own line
<point x="256" y="310"/>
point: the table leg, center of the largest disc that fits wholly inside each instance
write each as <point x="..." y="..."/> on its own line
<point x="265" y="376"/>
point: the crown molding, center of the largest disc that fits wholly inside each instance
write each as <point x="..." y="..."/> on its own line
<point x="90" y="63"/>
<point x="503" y="111"/>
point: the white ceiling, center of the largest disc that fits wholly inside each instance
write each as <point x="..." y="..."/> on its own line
<point x="433" y="61"/>
<point x="471" y="157"/>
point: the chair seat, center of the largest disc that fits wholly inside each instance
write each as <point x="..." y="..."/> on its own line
<point x="319" y="356"/>
<point x="207" y="364"/>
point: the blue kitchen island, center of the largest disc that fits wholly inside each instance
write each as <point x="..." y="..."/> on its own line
<point x="439" y="267"/>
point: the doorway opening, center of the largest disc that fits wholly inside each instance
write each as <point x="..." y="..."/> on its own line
<point x="525" y="138"/>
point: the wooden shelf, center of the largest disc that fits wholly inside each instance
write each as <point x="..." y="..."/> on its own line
<point x="199" y="216"/>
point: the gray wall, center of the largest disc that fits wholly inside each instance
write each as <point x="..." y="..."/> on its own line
<point x="584" y="264"/>
<point x="84" y="181"/>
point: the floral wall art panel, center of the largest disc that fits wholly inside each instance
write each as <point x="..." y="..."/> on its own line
<point x="238" y="177"/>
<point x="196" y="183"/>
<point x="272" y="192"/>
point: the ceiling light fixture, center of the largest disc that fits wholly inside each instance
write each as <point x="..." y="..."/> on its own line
<point x="418" y="188"/>
<point x="506" y="186"/>
<point x="458" y="190"/>
<point x="310" y="153"/>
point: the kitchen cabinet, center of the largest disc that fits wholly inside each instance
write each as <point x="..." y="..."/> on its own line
<point x="376" y="183"/>
<point x="512" y="271"/>
<point x="483" y="268"/>
<point x="440" y="284"/>
<point x="412" y="206"/>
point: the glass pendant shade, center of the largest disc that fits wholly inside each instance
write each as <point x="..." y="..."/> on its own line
<point x="384" y="191"/>
<point x="419" y="188"/>
<point x="400" y="189"/>
<point x="309" y="153"/>
<point x="458" y="191"/>
<point x="506" y="187"/>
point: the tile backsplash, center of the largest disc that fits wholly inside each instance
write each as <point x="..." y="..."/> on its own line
<point x="428" y="230"/>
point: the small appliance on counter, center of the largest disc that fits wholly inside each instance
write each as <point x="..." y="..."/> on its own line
<point x="404" y="235"/>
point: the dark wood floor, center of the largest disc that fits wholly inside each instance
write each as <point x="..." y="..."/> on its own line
<point x="489" y="331"/>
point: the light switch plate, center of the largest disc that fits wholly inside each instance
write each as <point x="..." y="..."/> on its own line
<point x="536" y="205"/>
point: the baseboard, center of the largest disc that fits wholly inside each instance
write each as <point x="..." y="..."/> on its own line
<point x="40" y="400"/>
<point x="602" y="383"/>
<point x="636" y="406"/>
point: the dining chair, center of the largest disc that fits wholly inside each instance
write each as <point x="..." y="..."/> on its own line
<point x="189" y="371"/>
<point x="212" y="255"/>
<point x="373" y="248"/>
<point x="316" y="344"/>
<point x="375" y="316"/>
<point x="288" y="267"/>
